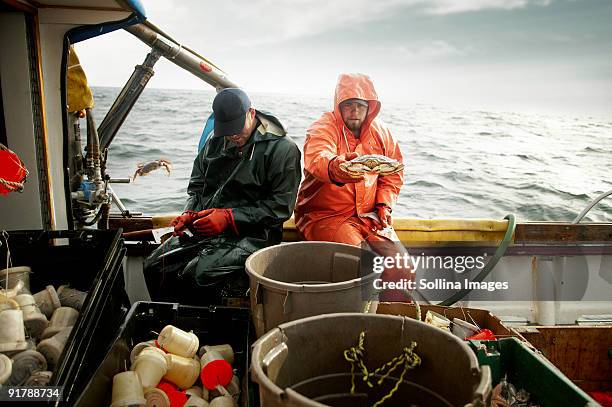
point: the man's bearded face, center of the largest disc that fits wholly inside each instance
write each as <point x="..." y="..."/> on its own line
<point x="354" y="113"/>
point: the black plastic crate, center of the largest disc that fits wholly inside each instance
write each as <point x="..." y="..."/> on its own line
<point x="213" y="325"/>
<point x="87" y="260"/>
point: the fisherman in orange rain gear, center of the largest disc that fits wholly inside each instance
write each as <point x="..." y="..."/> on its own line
<point x="331" y="202"/>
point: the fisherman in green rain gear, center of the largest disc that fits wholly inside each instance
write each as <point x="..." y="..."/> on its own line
<point x="242" y="189"/>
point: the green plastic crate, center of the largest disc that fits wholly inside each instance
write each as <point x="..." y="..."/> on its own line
<point x="529" y="370"/>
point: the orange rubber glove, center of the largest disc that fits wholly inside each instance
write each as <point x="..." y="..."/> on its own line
<point x="338" y="175"/>
<point x="384" y="214"/>
<point x="212" y="222"/>
<point x="183" y="221"/>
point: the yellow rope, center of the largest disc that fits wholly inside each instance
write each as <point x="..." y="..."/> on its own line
<point x="14" y="186"/>
<point x="355" y="355"/>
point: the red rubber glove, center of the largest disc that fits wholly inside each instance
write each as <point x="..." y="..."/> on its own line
<point x="338" y="175"/>
<point x="213" y="221"/>
<point x="183" y="221"/>
<point x="384" y="214"/>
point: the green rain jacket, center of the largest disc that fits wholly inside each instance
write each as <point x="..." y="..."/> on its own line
<point x="259" y="183"/>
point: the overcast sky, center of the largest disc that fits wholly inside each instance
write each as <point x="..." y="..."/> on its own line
<point x="521" y="55"/>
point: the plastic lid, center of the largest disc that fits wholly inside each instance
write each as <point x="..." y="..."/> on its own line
<point x="17" y="269"/>
<point x="215" y="373"/>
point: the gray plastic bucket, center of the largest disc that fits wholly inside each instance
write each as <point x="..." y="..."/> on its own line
<point x="301" y="364"/>
<point x="297" y="280"/>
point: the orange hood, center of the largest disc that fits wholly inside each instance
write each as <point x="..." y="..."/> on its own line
<point x="356" y="86"/>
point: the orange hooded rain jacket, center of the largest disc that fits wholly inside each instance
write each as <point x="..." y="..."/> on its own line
<point x="323" y="206"/>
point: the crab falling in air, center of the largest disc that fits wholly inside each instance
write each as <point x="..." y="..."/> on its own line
<point x="376" y="163"/>
<point x="145" y="169"/>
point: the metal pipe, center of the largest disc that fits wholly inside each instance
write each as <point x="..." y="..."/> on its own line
<point x="93" y="150"/>
<point x="126" y="99"/>
<point x="120" y="180"/>
<point x="182" y="57"/>
<point x="590" y="206"/>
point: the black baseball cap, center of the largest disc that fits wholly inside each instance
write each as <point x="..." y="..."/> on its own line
<point x="230" y="107"/>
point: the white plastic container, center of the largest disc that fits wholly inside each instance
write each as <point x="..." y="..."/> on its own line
<point x="63" y="317"/>
<point x="12" y="335"/>
<point x="225" y="350"/>
<point x="233" y="389"/>
<point x="127" y="390"/>
<point x="150" y="365"/>
<point x="24" y="364"/>
<point x="195" y="401"/>
<point x="215" y="370"/>
<point x="157" y="398"/>
<point x="178" y="342"/>
<point x="7" y="303"/>
<point x="69" y="297"/>
<point x="51" y="348"/>
<point x="47" y="300"/>
<point x="198" y="391"/>
<point x="223" y="401"/>
<point x="11" y="276"/>
<point x="139" y="347"/>
<point x="6" y="366"/>
<point x="183" y="372"/>
<point x="34" y="321"/>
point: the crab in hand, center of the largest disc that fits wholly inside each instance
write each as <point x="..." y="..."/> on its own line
<point x="145" y="169"/>
<point x="376" y="163"/>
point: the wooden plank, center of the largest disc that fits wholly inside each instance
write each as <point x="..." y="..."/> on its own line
<point x="562" y="232"/>
<point x="580" y="352"/>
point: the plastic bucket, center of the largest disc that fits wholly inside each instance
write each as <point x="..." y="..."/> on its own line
<point x="302" y="279"/>
<point x="302" y="364"/>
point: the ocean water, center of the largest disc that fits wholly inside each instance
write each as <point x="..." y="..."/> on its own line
<point x="458" y="163"/>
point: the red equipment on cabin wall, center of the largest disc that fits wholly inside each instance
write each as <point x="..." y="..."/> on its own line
<point x="12" y="171"/>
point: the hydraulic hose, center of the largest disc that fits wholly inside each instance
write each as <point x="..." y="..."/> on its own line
<point x="499" y="253"/>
